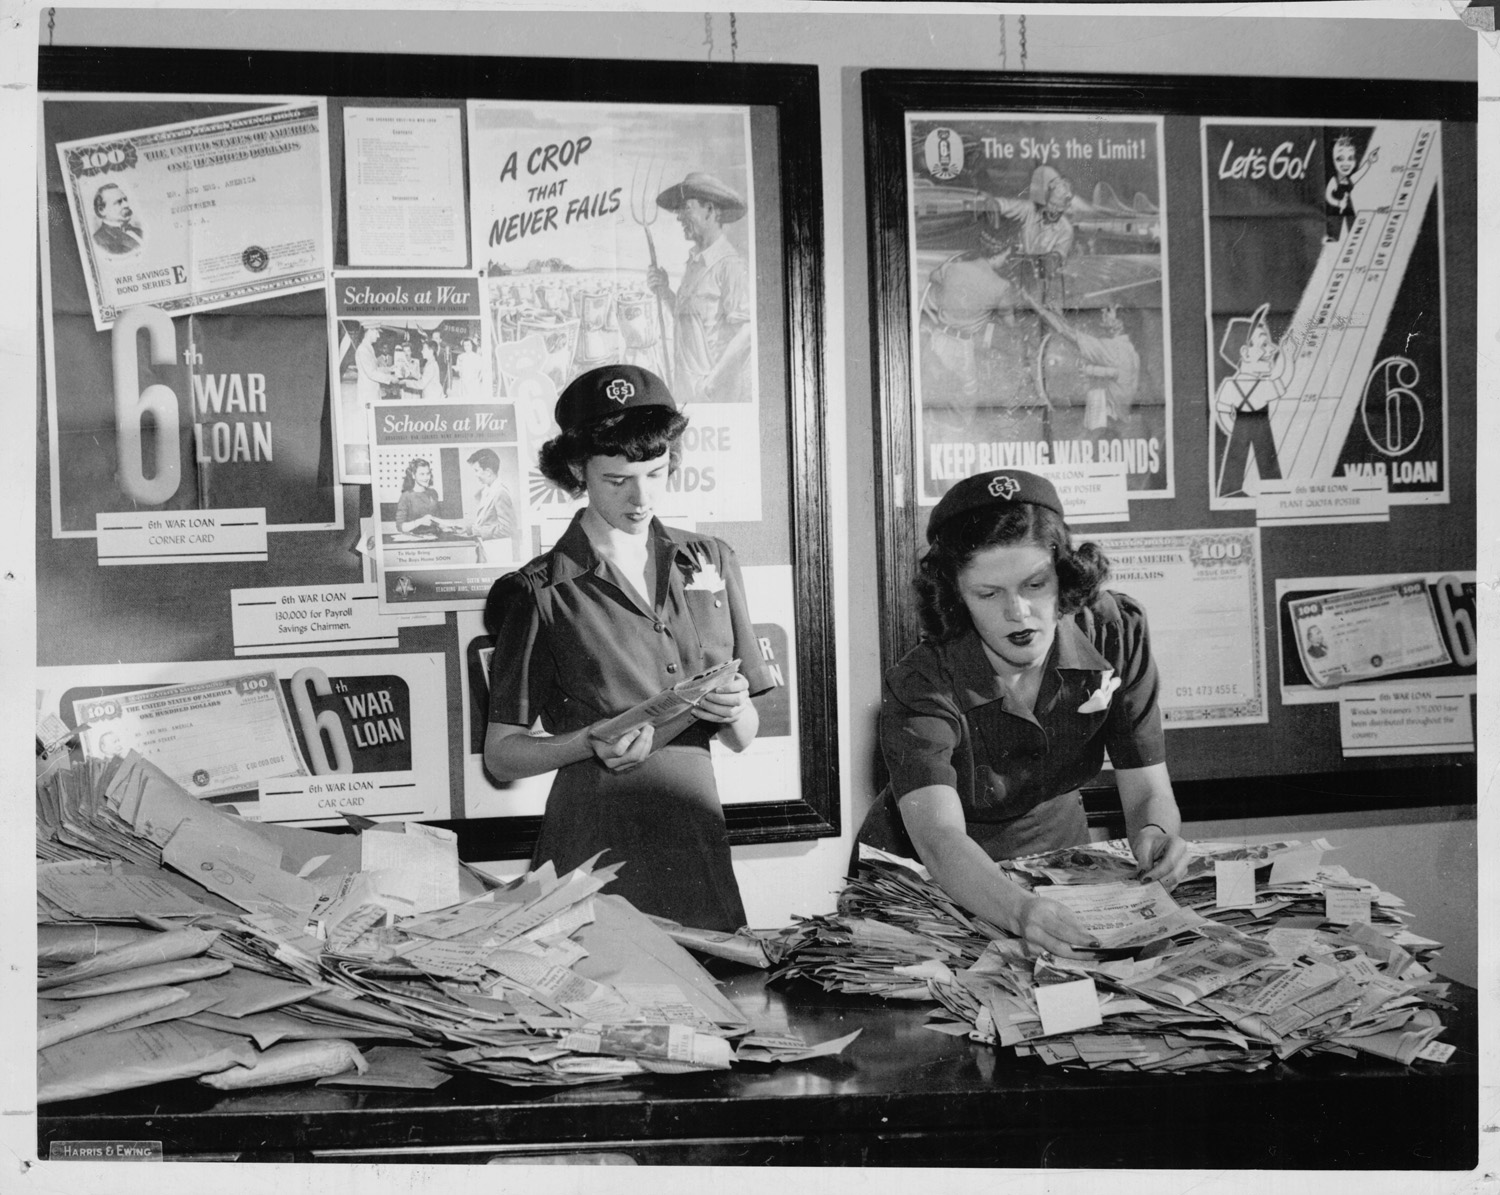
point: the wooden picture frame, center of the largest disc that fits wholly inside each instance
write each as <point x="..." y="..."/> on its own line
<point x="782" y="102"/>
<point x="913" y="181"/>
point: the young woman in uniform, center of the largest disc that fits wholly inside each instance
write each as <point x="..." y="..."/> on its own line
<point x="620" y="609"/>
<point x="1028" y="669"/>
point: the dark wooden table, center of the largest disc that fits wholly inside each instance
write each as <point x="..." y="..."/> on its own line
<point x="899" y="1095"/>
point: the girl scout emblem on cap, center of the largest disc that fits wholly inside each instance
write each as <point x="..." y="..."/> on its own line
<point x="620" y="391"/>
<point x="1004" y="486"/>
<point x="1099" y="698"/>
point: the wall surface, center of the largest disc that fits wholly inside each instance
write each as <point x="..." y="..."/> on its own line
<point x="1426" y="856"/>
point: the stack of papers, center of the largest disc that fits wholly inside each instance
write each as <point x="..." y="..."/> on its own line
<point x="1263" y="952"/>
<point x="177" y="941"/>
<point x="895" y="933"/>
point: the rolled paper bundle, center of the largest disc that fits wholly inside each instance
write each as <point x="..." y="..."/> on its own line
<point x="291" y="1062"/>
<point x="186" y="970"/>
<point x="159" y="948"/>
<point x="58" y="944"/>
<point x="62" y="1020"/>
<point x="98" y="1063"/>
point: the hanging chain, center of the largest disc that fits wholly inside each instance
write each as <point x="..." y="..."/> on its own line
<point x="51" y="23"/>
<point x="734" y="38"/>
<point x="1023" y="41"/>
<point x="1004" y="48"/>
<point x="708" y="34"/>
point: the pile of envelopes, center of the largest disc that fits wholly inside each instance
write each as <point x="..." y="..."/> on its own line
<point x="1260" y="953"/>
<point x="179" y="941"/>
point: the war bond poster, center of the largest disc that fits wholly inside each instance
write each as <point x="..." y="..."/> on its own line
<point x="1039" y="296"/>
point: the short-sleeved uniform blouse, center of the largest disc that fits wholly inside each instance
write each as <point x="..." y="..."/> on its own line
<point x="945" y="719"/>
<point x="573" y="646"/>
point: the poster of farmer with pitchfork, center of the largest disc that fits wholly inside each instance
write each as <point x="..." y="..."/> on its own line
<point x="611" y="233"/>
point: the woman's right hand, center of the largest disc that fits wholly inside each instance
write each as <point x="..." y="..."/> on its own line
<point x="627" y="752"/>
<point x="1048" y="925"/>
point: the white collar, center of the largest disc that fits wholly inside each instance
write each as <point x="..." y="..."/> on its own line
<point x="619" y="547"/>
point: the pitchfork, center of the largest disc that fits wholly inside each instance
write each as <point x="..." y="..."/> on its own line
<point x="643" y="211"/>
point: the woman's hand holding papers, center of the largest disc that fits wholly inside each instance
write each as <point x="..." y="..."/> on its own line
<point x="1161" y="856"/>
<point x="626" y="752"/>
<point x="1047" y="925"/>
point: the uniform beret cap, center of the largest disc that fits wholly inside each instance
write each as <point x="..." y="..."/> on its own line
<point x="997" y="488"/>
<point x="609" y="390"/>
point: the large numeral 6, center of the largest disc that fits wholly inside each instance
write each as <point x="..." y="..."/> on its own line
<point x="132" y="405"/>
<point x="1457" y="623"/>
<point x="312" y="723"/>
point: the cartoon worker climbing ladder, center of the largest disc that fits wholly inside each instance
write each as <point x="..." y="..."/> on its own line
<point x="1242" y="405"/>
<point x="1292" y="400"/>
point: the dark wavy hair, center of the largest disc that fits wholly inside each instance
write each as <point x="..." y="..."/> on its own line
<point x="409" y="482"/>
<point x="636" y="433"/>
<point x="1081" y="571"/>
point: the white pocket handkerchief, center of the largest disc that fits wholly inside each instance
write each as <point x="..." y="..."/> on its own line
<point x="706" y="576"/>
<point x="1099" y="698"/>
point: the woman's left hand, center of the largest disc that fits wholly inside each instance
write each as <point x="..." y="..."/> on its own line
<point x="1161" y="856"/>
<point x="726" y="704"/>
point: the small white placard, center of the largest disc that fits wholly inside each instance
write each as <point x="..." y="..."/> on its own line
<point x="1419" y="720"/>
<point x="1436" y="1051"/>
<point x="1068" y="1007"/>
<point x="1090" y="493"/>
<point x="1234" y="883"/>
<point x="181" y="536"/>
<point x="324" y="798"/>
<point x="1328" y="500"/>
<point x="1346" y="906"/>
<point x="333" y="617"/>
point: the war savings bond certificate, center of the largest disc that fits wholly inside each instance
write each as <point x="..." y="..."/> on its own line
<point x="1363" y="634"/>
<point x="202" y="214"/>
<point x="215" y="736"/>
<point x="1202" y="593"/>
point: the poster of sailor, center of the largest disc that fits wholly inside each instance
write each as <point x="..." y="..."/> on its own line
<point x="197" y="214"/>
<point x="612" y="233"/>
<point x="1207" y="621"/>
<point x="446" y="480"/>
<point x="400" y="336"/>
<point x="182" y="409"/>
<point x="1039" y="296"/>
<point x="1324" y="252"/>
<point x="1375" y="633"/>
<point x="366" y="734"/>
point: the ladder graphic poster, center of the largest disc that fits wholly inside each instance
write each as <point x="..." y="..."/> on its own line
<point x="1324" y="253"/>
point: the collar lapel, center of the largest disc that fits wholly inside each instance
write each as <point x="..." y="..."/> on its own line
<point x="974" y="681"/>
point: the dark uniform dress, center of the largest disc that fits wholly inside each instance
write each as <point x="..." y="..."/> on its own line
<point x="946" y="719"/>
<point x="574" y="644"/>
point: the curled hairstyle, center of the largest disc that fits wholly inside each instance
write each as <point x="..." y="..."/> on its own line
<point x="1081" y="571"/>
<point x="409" y="482"/>
<point x="636" y="433"/>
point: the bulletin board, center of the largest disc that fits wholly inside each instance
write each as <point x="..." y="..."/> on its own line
<point x="303" y="320"/>
<point x="1232" y="318"/>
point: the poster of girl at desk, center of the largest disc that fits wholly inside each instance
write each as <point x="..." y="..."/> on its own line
<point x="446" y="478"/>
